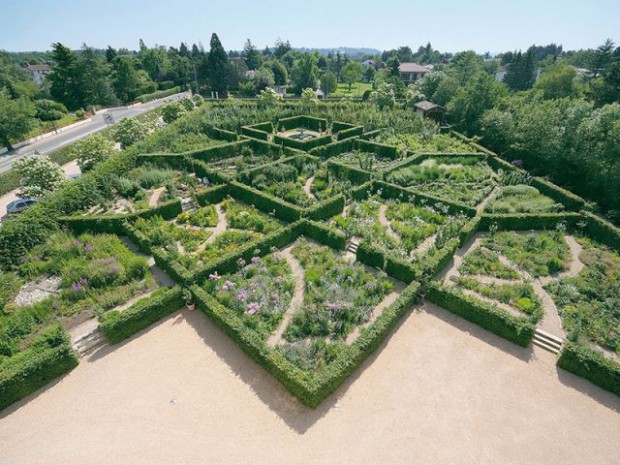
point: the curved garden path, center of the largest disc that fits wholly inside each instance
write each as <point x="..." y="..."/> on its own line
<point x="222" y="225"/>
<point x="308" y="187"/>
<point x="424" y="246"/>
<point x="551" y="321"/>
<point x="386" y="223"/>
<point x="155" y="195"/>
<point x="482" y="205"/>
<point x="298" y="294"/>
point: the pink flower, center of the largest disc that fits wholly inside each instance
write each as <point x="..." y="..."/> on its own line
<point x="214" y="276"/>
<point x="253" y="307"/>
<point x="241" y="262"/>
<point x="242" y="295"/>
<point x="255" y="260"/>
<point x="228" y="285"/>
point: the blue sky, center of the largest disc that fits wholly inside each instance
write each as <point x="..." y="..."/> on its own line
<point x="449" y="25"/>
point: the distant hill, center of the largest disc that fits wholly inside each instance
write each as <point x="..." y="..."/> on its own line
<point x="353" y="52"/>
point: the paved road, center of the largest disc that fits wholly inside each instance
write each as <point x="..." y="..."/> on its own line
<point x="64" y="138"/>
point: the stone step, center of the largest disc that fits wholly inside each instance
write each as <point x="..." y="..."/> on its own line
<point x="547" y="341"/>
<point x="89" y="343"/>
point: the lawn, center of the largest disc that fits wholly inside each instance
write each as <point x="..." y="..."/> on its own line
<point x="357" y="89"/>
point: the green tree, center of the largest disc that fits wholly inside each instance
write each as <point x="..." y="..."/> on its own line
<point x="384" y="96"/>
<point x="16" y="118"/>
<point x="280" y="74"/>
<point x="606" y="88"/>
<point x="393" y="64"/>
<point x="464" y="65"/>
<point x="128" y="131"/>
<point x="446" y="90"/>
<point x="67" y="77"/>
<point x="329" y="82"/>
<point x="125" y="81"/>
<point x="97" y="85"/>
<point x="521" y="72"/>
<point x="558" y="81"/>
<point x="38" y="176"/>
<point x="351" y="73"/>
<point x="217" y="65"/>
<point x="49" y="110"/>
<point x="479" y="94"/>
<point x="268" y="97"/>
<point x="251" y="54"/>
<point x="308" y="99"/>
<point x="602" y="58"/>
<point x="369" y="74"/>
<point x="172" y="111"/>
<point x="92" y="151"/>
<point x="305" y="73"/>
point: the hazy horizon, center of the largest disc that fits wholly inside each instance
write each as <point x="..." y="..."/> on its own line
<point x="32" y="25"/>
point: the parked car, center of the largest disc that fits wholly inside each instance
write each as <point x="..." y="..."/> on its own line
<point x="73" y="176"/>
<point x="19" y="205"/>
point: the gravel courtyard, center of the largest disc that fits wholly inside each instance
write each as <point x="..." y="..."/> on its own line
<point x="439" y="391"/>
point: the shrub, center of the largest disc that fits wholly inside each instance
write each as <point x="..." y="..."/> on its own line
<point x="517" y="330"/>
<point x="590" y="365"/>
<point x="159" y="94"/>
<point x="117" y="326"/>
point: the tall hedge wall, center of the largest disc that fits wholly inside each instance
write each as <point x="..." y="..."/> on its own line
<point x="34" y="368"/>
<point x="118" y="326"/>
<point x="517" y="330"/>
<point x="349" y="133"/>
<point x="590" y="365"/>
<point x="302" y="145"/>
<point x="265" y="202"/>
<point x="603" y="231"/>
<point x="342" y="171"/>
<point x="255" y="133"/>
<point x="528" y="221"/>
<point x="333" y="149"/>
<point x="383" y="150"/>
<point x="326" y="208"/>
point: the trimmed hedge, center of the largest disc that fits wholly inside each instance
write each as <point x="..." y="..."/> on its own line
<point x="333" y="149"/>
<point x="383" y="150"/>
<point x="115" y="224"/>
<point x="308" y="122"/>
<point x="118" y="326"/>
<point x="302" y="145"/>
<point x="338" y="126"/>
<point x="471" y="143"/>
<point x="255" y="133"/>
<point x="371" y="134"/>
<point x="310" y="387"/>
<point x="602" y="231"/>
<point x="212" y="195"/>
<point x="361" y="192"/>
<point x="493" y="319"/>
<point x="566" y="198"/>
<point x="350" y="133"/>
<point x="222" y="134"/>
<point x="229" y="263"/>
<point x="265" y="202"/>
<point x="219" y="151"/>
<point x="322" y="233"/>
<point x="392" y="191"/>
<point x="159" y="94"/>
<point x="370" y="255"/>
<point x="591" y="365"/>
<point x="326" y="209"/>
<point x="355" y="175"/>
<point x="33" y="369"/>
<point x="528" y="221"/>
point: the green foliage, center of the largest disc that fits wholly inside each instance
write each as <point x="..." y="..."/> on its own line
<point x="93" y="150"/>
<point x="172" y="111"/>
<point x="522" y="199"/>
<point x="590" y="365"/>
<point x="38" y="176"/>
<point x="517" y="330"/>
<point x="128" y="131"/>
<point x="118" y="326"/>
<point x="158" y="95"/>
<point x="16" y="118"/>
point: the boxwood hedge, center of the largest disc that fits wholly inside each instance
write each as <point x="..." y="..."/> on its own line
<point x="596" y="368"/>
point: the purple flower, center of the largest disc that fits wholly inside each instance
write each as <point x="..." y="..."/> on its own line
<point x="76" y="287"/>
<point x="114" y="270"/>
<point x="253" y="307"/>
<point x="214" y="276"/>
<point x="88" y="247"/>
<point x="228" y="285"/>
<point x="241" y="262"/>
<point x="242" y="295"/>
<point x="255" y="260"/>
<point x="334" y="306"/>
<point x="83" y="282"/>
<point x="77" y="243"/>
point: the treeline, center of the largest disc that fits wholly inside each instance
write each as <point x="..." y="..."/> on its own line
<point x="561" y="125"/>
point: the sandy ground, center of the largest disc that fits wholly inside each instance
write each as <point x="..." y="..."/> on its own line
<point x="439" y="391"/>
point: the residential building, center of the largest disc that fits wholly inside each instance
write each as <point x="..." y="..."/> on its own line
<point x="38" y="73"/>
<point x="411" y="72"/>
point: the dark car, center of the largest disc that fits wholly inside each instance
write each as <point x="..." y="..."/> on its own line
<point x="19" y="205"/>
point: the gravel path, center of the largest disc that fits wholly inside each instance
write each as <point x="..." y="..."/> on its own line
<point x="440" y="389"/>
<point x="298" y="294"/>
<point x="386" y="223"/>
<point x="482" y="205"/>
<point x="308" y="187"/>
<point x="155" y="195"/>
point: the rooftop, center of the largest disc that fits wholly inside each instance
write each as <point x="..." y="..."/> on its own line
<point x="412" y="68"/>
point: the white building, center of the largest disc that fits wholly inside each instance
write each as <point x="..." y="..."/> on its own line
<point x="411" y="72"/>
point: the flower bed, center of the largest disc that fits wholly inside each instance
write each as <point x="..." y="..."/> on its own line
<point x="522" y="198"/>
